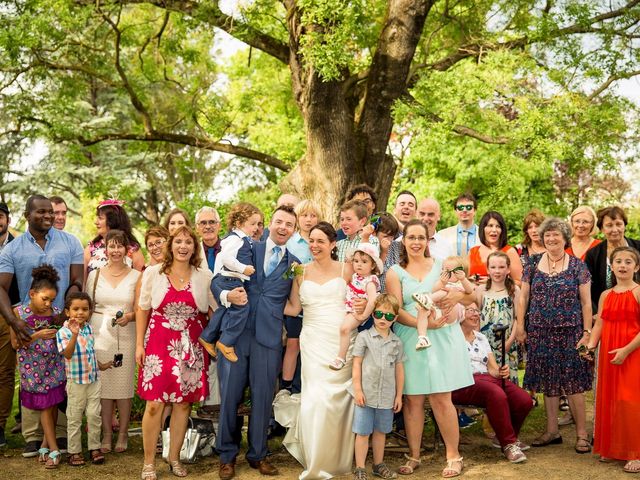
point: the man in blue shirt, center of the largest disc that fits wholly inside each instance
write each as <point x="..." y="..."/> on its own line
<point x="40" y="244"/>
<point x="463" y="236"/>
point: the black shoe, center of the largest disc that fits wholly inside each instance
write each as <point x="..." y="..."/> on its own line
<point x="31" y="449"/>
<point x="62" y="444"/>
<point x="3" y="440"/>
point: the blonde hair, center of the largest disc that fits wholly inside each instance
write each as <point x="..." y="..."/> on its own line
<point x="586" y="209"/>
<point x="305" y="206"/>
<point x="388" y="300"/>
<point x="460" y="261"/>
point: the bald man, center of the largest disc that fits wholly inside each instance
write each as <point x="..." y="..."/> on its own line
<point x="429" y="214"/>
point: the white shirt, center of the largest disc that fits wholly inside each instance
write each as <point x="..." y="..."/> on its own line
<point x="228" y="256"/>
<point x="479" y="351"/>
<point x="439" y="248"/>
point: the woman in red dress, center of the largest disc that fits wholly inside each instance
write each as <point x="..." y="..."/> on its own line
<point x="173" y="305"/>
<point x="618" y="392"/>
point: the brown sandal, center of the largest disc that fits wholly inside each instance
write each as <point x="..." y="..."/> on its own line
<point x="582" y="445"/>
<point x="76" y="460"/>
<point x="97" y="457"/>
<point x="632" y="466"/>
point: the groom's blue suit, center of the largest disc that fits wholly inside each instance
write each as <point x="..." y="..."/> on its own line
<point x="259" y="351"/>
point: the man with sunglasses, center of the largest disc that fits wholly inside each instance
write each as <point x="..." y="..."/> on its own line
<point x="464" y="235"/>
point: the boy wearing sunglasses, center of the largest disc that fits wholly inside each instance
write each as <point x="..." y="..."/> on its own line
<point x="464" y="235"/>
<point x="378" y="381"/>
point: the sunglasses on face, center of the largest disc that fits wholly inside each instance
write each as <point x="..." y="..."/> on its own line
<point x="461" y="208"/>
<point x="388" y="316"/>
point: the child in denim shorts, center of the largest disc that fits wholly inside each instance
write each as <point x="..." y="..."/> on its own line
<point x="378" y="379"/>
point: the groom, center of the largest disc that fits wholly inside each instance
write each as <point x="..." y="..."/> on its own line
<point x="259" y="347"/>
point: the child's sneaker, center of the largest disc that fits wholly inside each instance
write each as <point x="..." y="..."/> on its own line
<point x="360" y="474"/>
<point x="381" y="470"/>
<point x="337" y="363"/>
<point x="424" y="300"/>
<point x="423" y="342"/>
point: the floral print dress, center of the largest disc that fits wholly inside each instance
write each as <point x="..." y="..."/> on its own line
<point x="497" y="309"/>
<point x="41" y="367"/>
<point x="175" y="365"/>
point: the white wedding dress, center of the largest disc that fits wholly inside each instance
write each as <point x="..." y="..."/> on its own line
<point x="320" y="437"/>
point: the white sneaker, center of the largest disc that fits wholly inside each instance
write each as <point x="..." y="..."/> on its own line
<point x="513" y="453"/>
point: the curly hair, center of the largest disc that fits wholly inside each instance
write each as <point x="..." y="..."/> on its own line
<point x="44" y="276"/>
<point x="556" y="225"/>
<point x="195" y="259"/>
<point x="240" y="213"/>
<point x="330" y="232"/>
<point x="404" y="258"/>
<point x="117" y="219"/>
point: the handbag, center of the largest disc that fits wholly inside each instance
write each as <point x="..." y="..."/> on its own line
<point x="190" y="444"/>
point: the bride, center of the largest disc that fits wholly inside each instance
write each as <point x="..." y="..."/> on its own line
<point x="322" y="440"/>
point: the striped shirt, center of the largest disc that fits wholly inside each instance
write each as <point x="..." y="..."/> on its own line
<point x="345" y="246"/>
<point x="82" y="367"/>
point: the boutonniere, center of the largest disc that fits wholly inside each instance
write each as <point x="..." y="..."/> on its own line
<point x="294" y="270"/>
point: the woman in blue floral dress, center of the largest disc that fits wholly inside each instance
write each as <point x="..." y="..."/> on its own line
<point x="556" y="287"/>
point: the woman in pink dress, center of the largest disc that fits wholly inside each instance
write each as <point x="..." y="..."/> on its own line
<point x="173" y="305"/>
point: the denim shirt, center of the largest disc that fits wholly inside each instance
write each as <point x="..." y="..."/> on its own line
<point x="23" y="254"/>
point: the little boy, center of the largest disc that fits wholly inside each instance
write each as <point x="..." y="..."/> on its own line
<point x="378" y="380"/>
<point x="353" y="218"/>
<point x="76" y="343"/>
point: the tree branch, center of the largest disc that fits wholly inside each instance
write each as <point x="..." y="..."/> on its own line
<point x="209" y="12"/>
<point x="190" y="140"/>
<point x="610" y="80"/>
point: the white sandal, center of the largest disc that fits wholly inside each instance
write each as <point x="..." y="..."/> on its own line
<point x="423" y="342"/>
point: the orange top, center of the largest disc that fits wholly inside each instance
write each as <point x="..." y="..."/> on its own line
<point x="591" y="245"/>
<point x="476" y="265"/>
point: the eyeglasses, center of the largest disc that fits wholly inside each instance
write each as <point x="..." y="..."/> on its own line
<point x="156" y="244"/>
<point x="204" y="223"/>
<point x="388" y="316"/>
<point x="419" y="238"/>
<point x="583" y="222"/>
<point x="472" y="310"/>
<point x="461" y="208"/>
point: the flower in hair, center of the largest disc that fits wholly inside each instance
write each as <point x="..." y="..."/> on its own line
<point x="111" y="202"/>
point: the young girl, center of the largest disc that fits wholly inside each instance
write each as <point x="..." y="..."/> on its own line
<point x="234" y="266"/>
<point x="617" y="329"/>
<point x="76" y="343"/>
<point x="454" y="275"/>
<point x="364" y="284"/>
<point x="42" y="377"/>
<point x="497" y="299"/>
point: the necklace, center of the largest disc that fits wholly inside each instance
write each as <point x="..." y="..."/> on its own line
<point x="113" y="274"/>
<point x="551" y="263"/>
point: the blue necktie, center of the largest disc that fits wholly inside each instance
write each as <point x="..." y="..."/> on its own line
<point x="274" y="260"/>
<point x="211" y="257"/>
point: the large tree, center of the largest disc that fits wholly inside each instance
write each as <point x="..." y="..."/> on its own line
<point x="87" y="74"/>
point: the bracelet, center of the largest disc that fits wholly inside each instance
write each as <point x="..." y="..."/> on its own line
<point x="586" y="330"/>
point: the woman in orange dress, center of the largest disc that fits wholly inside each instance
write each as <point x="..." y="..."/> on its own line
<point x="618" y="389"/>
<point x="493" y="235"/>
<point x="583" y="225"/>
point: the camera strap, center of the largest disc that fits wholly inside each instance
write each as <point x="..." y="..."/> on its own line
<point x="118" y="337"/>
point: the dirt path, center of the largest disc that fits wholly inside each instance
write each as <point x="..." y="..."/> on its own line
<point x="482" y="461"/>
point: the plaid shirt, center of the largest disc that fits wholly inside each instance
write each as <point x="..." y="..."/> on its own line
<point x="345" y="245"/>
<point x="82" y="368"/>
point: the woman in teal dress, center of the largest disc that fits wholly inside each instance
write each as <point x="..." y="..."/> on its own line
<point x="435" y="371"/>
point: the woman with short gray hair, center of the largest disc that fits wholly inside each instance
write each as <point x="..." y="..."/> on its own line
<point x="556" y="288"/>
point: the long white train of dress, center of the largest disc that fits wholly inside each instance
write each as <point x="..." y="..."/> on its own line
<point x="320" y="437"/>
